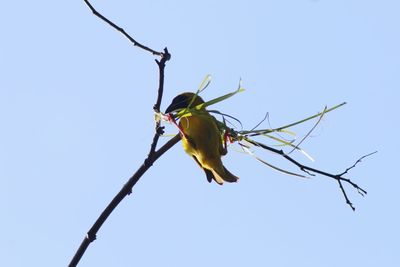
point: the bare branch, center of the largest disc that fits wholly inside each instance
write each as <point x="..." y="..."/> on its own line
<point x="348" y="202"/>
<point x="358" y="161"/>
<point x="158" y="129"/>
<point x="338" y="177"/>
<point x="121" y="30"/>
<point x="126" y="190"/>
<point x="161" y="67"/>
<point x="151" y="157"/>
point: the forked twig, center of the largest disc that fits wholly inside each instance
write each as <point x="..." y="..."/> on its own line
<point x="311" y="171"/>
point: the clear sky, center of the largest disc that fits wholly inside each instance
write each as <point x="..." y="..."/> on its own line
<point x="76" y="121"/>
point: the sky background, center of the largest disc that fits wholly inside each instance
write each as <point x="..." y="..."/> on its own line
<point x="76" y="120"/>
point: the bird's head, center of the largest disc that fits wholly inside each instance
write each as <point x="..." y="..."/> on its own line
<point x="183" y="100"/>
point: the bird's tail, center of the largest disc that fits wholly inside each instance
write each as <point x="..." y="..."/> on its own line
<point x="224" y="175"/>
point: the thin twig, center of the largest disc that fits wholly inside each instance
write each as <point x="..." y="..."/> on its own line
<point x="358" y="161"/>
<point x="121" y="30"/>
<point x="158" y="129"/>
<point x="161" y="67"/>
<point x="338" y="177"/>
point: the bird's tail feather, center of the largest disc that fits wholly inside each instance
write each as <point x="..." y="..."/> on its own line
<point x="226" y="176"/>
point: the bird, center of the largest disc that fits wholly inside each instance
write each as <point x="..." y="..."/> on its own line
<point x="201" y="138"/>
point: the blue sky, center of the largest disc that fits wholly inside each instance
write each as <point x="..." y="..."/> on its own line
<point x="76" y="112"/>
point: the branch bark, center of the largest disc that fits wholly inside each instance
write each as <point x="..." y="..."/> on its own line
<point x="152" y="156"/>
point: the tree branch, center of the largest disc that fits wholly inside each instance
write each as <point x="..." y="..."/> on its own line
<point x="126" y="190"/>
<point x="121" y="30"/>
<point x="338" y="177"/>
<point x="151" y="157"/>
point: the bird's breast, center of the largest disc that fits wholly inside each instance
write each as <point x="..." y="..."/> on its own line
<point x="202" y="137"/>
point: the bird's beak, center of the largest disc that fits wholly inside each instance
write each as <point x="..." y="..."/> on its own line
<point x="170" y="108"/>
<point x="177" y="103"/>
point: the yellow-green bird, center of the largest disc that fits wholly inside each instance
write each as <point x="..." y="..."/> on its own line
<point x="202" y="139"/>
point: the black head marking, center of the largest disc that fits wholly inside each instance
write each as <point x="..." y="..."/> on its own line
<point x="180" y="101"/>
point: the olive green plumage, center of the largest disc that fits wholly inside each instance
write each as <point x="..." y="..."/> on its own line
<point x="201" y="138"/>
